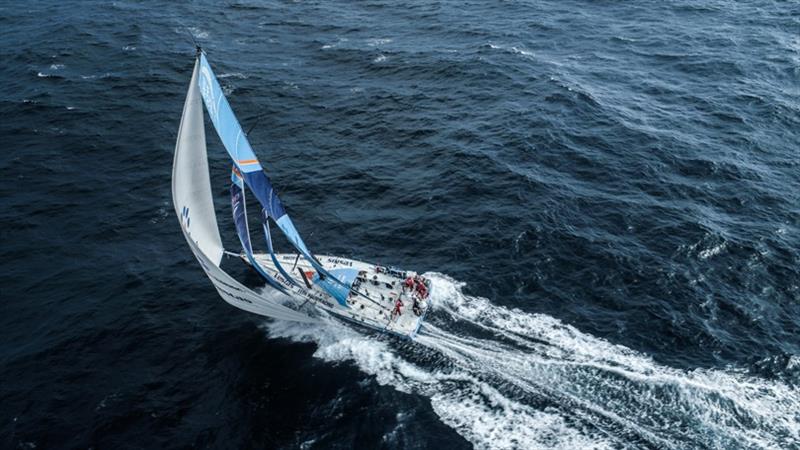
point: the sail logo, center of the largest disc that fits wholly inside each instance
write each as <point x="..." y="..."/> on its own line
<point x="185" y="217"/>
<point x="207" y="91"/>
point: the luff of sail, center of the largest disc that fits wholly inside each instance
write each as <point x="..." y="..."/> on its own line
<point x="238" y="147"/>
<point x="194" y="206"/>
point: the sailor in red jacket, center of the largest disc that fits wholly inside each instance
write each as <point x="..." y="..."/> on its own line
<point x="409" y="283"/>
<point x="422" y="290"/>
<point x="398" y="305"/>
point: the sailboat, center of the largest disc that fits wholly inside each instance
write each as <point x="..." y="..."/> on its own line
<point x="299" y="286"/>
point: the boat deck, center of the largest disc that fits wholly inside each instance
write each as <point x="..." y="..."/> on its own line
<point x="371" y="299"/>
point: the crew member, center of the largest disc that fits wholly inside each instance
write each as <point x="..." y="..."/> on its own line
<point x="423" y="290"/>
<point x="398" y="305"/>
<point x="408" y="284"/>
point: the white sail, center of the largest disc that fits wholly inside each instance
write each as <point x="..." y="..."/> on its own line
<point x="191" y="183"/>
<point x="194" y="205"/>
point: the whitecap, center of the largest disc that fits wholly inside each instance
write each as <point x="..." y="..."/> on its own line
<point x="96" y="76"/>
<point x="377" y="42"/>
<point x="517" y="50"/>
<point x="713" y="251"/>
<point x="333" y="45"/>
<point x="238" y="75"/>
<point x="522" y="51"/>
<point x="379" y="59"/>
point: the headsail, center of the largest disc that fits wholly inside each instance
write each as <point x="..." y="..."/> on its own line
<point x="238" y="147"/>
<point x="191" y="184"/>
<point x="194" y="206"/>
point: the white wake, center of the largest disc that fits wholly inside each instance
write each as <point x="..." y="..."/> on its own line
<point x="503" y="378"/>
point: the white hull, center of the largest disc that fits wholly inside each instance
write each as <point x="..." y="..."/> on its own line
<point x="374" y="312"/>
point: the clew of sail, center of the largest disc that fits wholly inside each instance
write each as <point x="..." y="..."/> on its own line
<point x="238" y="147"/>
<point x="194" y="206"/>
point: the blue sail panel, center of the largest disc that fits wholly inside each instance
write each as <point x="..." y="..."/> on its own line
<point x="235" y="141"/>
<point x="261" y="187"/>
<point x="240" y="217"/>
<point x="239" y="205"/>
<point x="286" y="225"/>
<point x="338" y="283"/>
<point x="224" y="120"/>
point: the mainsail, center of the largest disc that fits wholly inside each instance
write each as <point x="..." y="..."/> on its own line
<point x="192" y="198"/>
<point x="238" y="147"/>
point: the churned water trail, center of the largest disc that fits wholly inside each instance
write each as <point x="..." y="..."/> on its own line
<point x="530" y="381"/>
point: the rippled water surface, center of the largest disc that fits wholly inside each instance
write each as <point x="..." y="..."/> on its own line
<point x="605" y="194"/>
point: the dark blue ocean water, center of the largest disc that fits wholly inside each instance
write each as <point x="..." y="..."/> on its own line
<point x="606" y="195"/>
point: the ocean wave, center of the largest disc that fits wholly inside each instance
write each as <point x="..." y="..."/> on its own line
<point x="98" y="76"/>
<point x="512" y="49"/>
<point x="378" y="42"/>
<point x="237" y="75"/>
